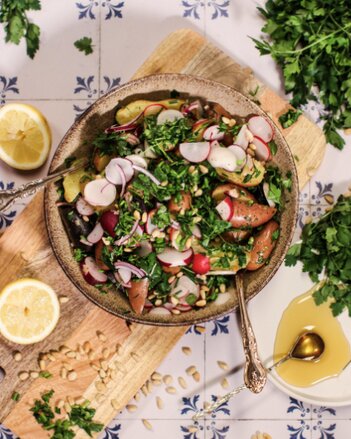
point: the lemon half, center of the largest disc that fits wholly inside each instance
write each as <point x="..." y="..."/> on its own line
<point x="25" y="136"/>
<point x="29" y="311"/>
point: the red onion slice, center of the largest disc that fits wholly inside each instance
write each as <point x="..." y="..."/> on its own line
<point x="138" y="272"/>
<point x="125" y="274"/>
<point x="83" y="207"/>
<point x="213" y="133"/>
<point x="120" y="281"/>
<point x="130" y="234"/>
<point x="118" y="128"/>
<point x="91" y="272"/>
<point x="160" y="311"/>
<point x="96" y="234"/>
<point x="147" y="173"/>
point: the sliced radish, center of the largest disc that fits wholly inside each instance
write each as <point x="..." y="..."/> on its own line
<point x="195" y="152"/>
<point x="240" y="155"/>
<point x="96" y="234"/>
<point x="168" y="116"/>
<point x="148" y="304"/>
<point x="115" y="175"/>
<point x="213" y="133"/>
<point x="270" y="202"/>
<point x="137" y="160"/>
<point x="91" y="272"/>
<point x="100" y="192"/>
<point x="83" y="207"/>
<point x="160" y="311"/>
<point x="222" y="158"/>
<point x="109" y="220"/>
<point x="183" y="307"/>
<point x="225" y="209"/>
<point x="262" y="151"/>
<point x="138" y="272"/>
<point x="174" y="258"/>
<point x="222" y="298"/>
<point x="84" y="241"/>
<point x="184" y="287"/>
<point x="260" y="127"/>
<point x="126" y="166"/>
<point x="168" y="306"/>
<point x="125" y="274"/>
<point x="120" y="281"/>
<point x="144" y="249"/>
<point x="242" y="139"/>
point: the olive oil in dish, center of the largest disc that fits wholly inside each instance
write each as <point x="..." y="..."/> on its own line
<point x="303" y="315"/>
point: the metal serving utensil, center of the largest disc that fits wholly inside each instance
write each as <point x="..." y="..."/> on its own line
<point x="309" y="346"/>
<point x="9" y="196"/>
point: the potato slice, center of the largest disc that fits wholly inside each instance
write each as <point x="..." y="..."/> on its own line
<point x="133" y="109"/>
<point x="72" y="184"/>
<point x="241" y="179"/>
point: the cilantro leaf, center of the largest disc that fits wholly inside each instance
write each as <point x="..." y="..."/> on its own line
<point x="289" y="118"/>
<point x="84" y="45"/>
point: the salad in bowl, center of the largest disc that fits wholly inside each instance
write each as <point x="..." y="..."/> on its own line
<point x="177" y="195"/>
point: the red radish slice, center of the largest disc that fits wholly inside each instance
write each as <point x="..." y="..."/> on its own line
<point x="96" y="234"/>
<point x="168" y="306"/>
<point x="195" y="152"/>
<point x="109" y="220"/>
<point x="137" y="160"/>
<point x="147" y="173"/>
<point x="92" y="273"/>
<point x="262" y="151"/>
<point x="222" y="158"/>
<point x="168" y="116"/>
<point x="222" y="298"/>
<point x="240" y="155"/>
<point x="260" y="127"/>
<point x="225" y="209"/>
<point x="125" y="274"/>
<point x="183" y="308"/>
<point x="83" y="207"/>
<point x="148" y="304"/>
<point x="100" y="192"/>
<point x="242" y="139"/>
<point x="114" y="173"/>
<point x="196" y="231"/>
<point x="174" y="258"/>
<point x="184" y="287"/>
<point x="144" y="249"/>
<point x="213" y="133"/>
<point x="160" y="311"/>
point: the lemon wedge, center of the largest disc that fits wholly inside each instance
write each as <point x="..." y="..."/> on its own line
<point x="29" y="311"/>
<point x="25" y="136"/>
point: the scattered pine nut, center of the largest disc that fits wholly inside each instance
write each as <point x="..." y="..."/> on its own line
<point x="135" y="356"/>
<point x="190" y="370"/>
<point x="100" y="398"/>
<point x="136" y="215"/>
<point x="72" y="375"/>
<point x="196" y="376"/>
<point x="224" y="383"/>
<point x="91" y="355"/>
<point x="156" y="376"/>
<point x="131" y="408"/>
<point x="222" y="288"/>
<point x="86" y="346"/>
<point x="329" y="198"/>
<point x="100" y="386"/>
<point x="203" y="169"/>
<point x="51" y="357"/>
<point x="172" y="390"/>
<point x="71" y="354"/>
<point x="186" y="350"/>
<point x="118" y="348"/>
<point x="95" y="366"/>
<point x="159" y="403"/>
<point x="63" y="299"/>
<point x="156" y="382"/>
<point x="146" y="422"/>
<point x="182" y="382"/>
<point x="101" y="336"/>
<point x="201" y="303"/>
<point x="60" y="403"/>
<point x="102" y="373"/>
<point x="167" y="379"/>
<point x="158" y="302"/>
<point x="175" y="311"/>
<point x="64" y="349"/>
<point x="144" y="217"/>
<point x="23" y="376"/>
<point x="17" y="356"/>
<point x="104" y="365"/>
<point x="63" y="373"/>
<point x="34" y="374"/>
<point x="144" y="390"/>
<point x="137" y="397"/>
<point x="42" y="365"/>
<point x="149" y="386"/>
<point x="223" y="365"/>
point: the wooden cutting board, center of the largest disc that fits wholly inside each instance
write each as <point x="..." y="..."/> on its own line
<point x="25" y="251"/>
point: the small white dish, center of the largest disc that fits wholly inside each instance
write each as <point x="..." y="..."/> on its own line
<point x="265" y="312"/>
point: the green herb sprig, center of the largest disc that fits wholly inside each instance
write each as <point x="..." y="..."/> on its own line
<point x="325" y="252"/>
<point x="85" y="45"/>
<point x="310" y="41"/>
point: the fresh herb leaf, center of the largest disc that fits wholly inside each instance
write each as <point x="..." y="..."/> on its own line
<point x="82" y="416"/>
<point x="15" y="396"/>
<point x="289" y="118"/>
<point x="84" y="45"/>
<point x="78" y="254"/>
<point x="45" y="374"/>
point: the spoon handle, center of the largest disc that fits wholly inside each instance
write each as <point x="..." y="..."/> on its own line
<point x="255" y="375"/>
<point x="9" y="196"/>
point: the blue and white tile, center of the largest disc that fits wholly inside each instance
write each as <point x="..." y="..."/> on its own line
<point x="127" y="41"/>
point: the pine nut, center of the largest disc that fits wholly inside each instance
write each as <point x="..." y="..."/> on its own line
<point x="79" y="400"/>
<point x="224" y="383"/>
<point x="68" y="366"/>
<point x="156" y="376"/>
<point x="63" y="373"/>
<point x="23" y="376"/>
<point x="102" y="373"/>
<point x="136" y="215"/>
<point x="200" y="329"/>
<point x="196" y="376"/>
<point x="172" y="390"/>
<point x="164" y="183"/>
<point x="104" y="365"/>
<point x="223" y="365"/>
<point x="159" y="403"/>
<point x="201" y="303"/>
<point x="63" y="299"/>
<point x="144" y="217"/>
<point x="17" y="356"/>
<point x="222" y="288"/>
<point x="71" y="354"/>
<point x="100" y="398"/>
<point x="174" y="300"/>
<point x="171" y="279"/>
<point x="51" y="357"/>
<point x="86" y="346"/>
<point x="198" y="193"/>
<point x="186" y="350"/>
<point x="182" y="382"/>
<point x="149" y="386"/>
<point x="64" y="349"/>
<point x="167" y="379"/>
<point x="100" y="386"/>
<point x="101" y="336"/>
<point x="144" y="390"/>
<point x="156" y="382"/>
<point x="131" y="408"/>
<point x="147" y="424"/>
<point x="190" y="370"/>
<point x="175" y="311"/>
<point x="34" y="374"/>
<point x="137" y="397"/>
<point x="158" y="302"/>
<point x="72" y="376"/>
<point x="42" y="365"/>
<point x="203" y="169"/>
<point x="60" y="403"/>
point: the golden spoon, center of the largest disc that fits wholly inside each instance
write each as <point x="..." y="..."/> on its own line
<point x="309" y="346"/>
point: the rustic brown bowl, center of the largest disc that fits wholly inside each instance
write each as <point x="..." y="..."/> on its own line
<point x="77" y="142"/>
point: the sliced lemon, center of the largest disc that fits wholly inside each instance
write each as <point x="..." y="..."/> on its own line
<point x="25" y="136"/>
<point x="29" y="311"/>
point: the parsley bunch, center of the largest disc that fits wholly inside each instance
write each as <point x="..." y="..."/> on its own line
<point x="310" y="41"/>
<point x="13" y="13"/>
<point x="325" y="252"/>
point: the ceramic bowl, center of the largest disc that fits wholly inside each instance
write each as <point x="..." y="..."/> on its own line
<point x="77" y="142"/>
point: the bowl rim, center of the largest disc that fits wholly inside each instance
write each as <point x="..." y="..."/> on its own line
<point x="130" y="85"/>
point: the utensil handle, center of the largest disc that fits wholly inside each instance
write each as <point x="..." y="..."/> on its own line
<point x="9" y="196"/>
<point x="255" y="375"/>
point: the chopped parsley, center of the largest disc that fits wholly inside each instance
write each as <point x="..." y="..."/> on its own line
<point x="289" y="118"/>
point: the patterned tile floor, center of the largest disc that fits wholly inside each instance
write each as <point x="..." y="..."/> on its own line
<point x="62" y="83"/>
